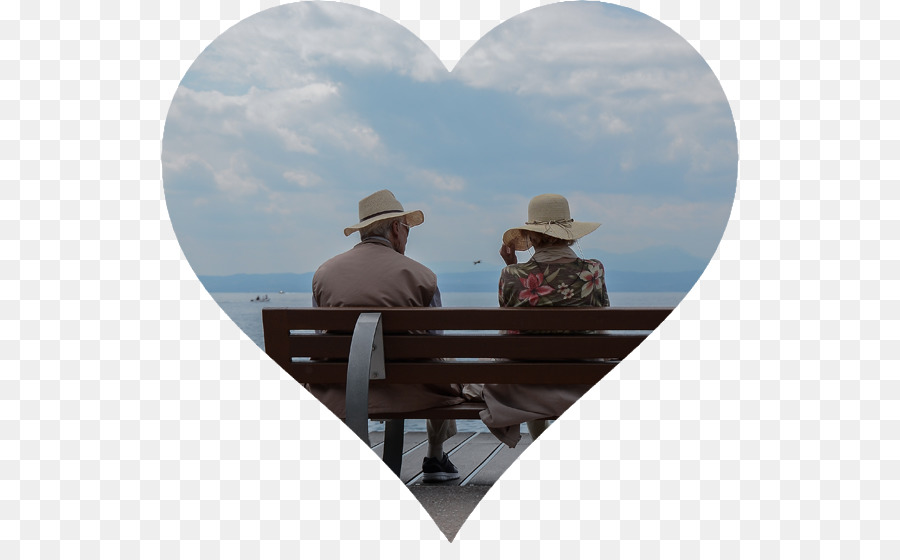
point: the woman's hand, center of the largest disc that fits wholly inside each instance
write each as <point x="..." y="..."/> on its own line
<point x="508" y="254"/>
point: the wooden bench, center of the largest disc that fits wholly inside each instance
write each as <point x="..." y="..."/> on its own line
<point x="362" y="346"/>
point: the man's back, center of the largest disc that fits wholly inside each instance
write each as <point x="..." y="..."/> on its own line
<point x="373" y="274"/>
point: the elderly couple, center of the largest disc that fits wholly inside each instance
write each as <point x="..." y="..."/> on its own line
<point x="392" y="279"/>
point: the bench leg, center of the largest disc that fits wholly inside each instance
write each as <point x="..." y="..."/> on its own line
<point x="393" y="445"/>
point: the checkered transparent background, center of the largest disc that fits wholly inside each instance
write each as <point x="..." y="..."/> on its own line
<point x="761" y="420"/>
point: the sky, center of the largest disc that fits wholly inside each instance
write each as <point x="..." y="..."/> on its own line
<point x="293" y="115"/>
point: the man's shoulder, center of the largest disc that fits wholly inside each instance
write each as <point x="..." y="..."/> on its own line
<point x="337" y="259"/>
<point x="390" y="257"/>
<point x="413" y="263"/>
<point x="379" y="254"/>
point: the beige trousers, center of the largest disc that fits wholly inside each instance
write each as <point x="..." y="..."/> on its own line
<point x="440" y="431"/>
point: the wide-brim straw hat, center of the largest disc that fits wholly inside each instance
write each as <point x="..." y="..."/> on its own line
<point x="383" y="205"/>
<point x="548" y="214"/>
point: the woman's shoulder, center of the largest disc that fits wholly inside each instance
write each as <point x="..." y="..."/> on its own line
<point x="591" y="262"/>
<point x="519" y="268"/>
<point x="581" y="264"/>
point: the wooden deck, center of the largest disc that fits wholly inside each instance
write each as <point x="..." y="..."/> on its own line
<point x="480" y="458"/>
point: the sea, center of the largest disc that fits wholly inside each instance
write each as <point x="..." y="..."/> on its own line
<point x="245" y="310"/>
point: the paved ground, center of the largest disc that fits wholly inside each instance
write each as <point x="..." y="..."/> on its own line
<point x="481" y="460"/>
<point x="449" y="506"/>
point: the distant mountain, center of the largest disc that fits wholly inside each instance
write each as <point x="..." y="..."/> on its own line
<point x="655" y="260"/>
<point x="625" y="281"/>
<point x="476" y="281"/>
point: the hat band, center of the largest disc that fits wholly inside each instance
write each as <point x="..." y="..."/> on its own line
<point x="370" y="216"/>
<point x="564" y="223"/>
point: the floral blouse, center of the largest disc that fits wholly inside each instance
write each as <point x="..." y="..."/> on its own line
<point x="578" y="283"/>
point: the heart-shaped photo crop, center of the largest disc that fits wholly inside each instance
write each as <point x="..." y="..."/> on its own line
<point x="448" y="260"/>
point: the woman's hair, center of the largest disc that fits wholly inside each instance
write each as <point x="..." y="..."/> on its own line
<point x="544" y="240"/>
<point x="378" y="229"/>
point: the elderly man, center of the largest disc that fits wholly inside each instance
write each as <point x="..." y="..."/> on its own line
<point x="376" y="272"/>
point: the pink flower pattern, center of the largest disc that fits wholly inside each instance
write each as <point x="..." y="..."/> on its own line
<point x="534" y="288"/>
<point x="591" y="277"/>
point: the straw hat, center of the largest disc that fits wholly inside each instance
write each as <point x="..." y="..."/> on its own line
<point x="548" y="214"/>
<point x="383" y="206"/>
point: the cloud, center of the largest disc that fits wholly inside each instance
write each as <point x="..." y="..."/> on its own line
<point x="303" y="179"/>
<point x="589" y="122"/>
<point x="636" y="222"/>
<point x="287" y="46"/>
<point x="236" y="179"/>
<point x="290" y="115"/>
<point x="583" y="50"/>
<point x="439" y="181"/>
<point x="178" y="162"/>
<point x="608" y="74"/>
<point x="243" y="138"/>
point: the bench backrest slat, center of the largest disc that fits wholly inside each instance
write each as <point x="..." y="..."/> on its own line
<point x="404" y="319"/>
<point x="522" y="347"/>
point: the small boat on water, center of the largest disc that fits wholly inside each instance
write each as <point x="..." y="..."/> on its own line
<point x="261" y="299"/>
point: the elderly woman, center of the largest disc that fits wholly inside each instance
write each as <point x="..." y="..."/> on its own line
<point x="553" y="276"/>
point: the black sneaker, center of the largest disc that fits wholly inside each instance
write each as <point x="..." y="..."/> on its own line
<point x="434" y="470"/>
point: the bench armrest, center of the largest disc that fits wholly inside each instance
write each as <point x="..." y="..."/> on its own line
<point x="365" y="362"/>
